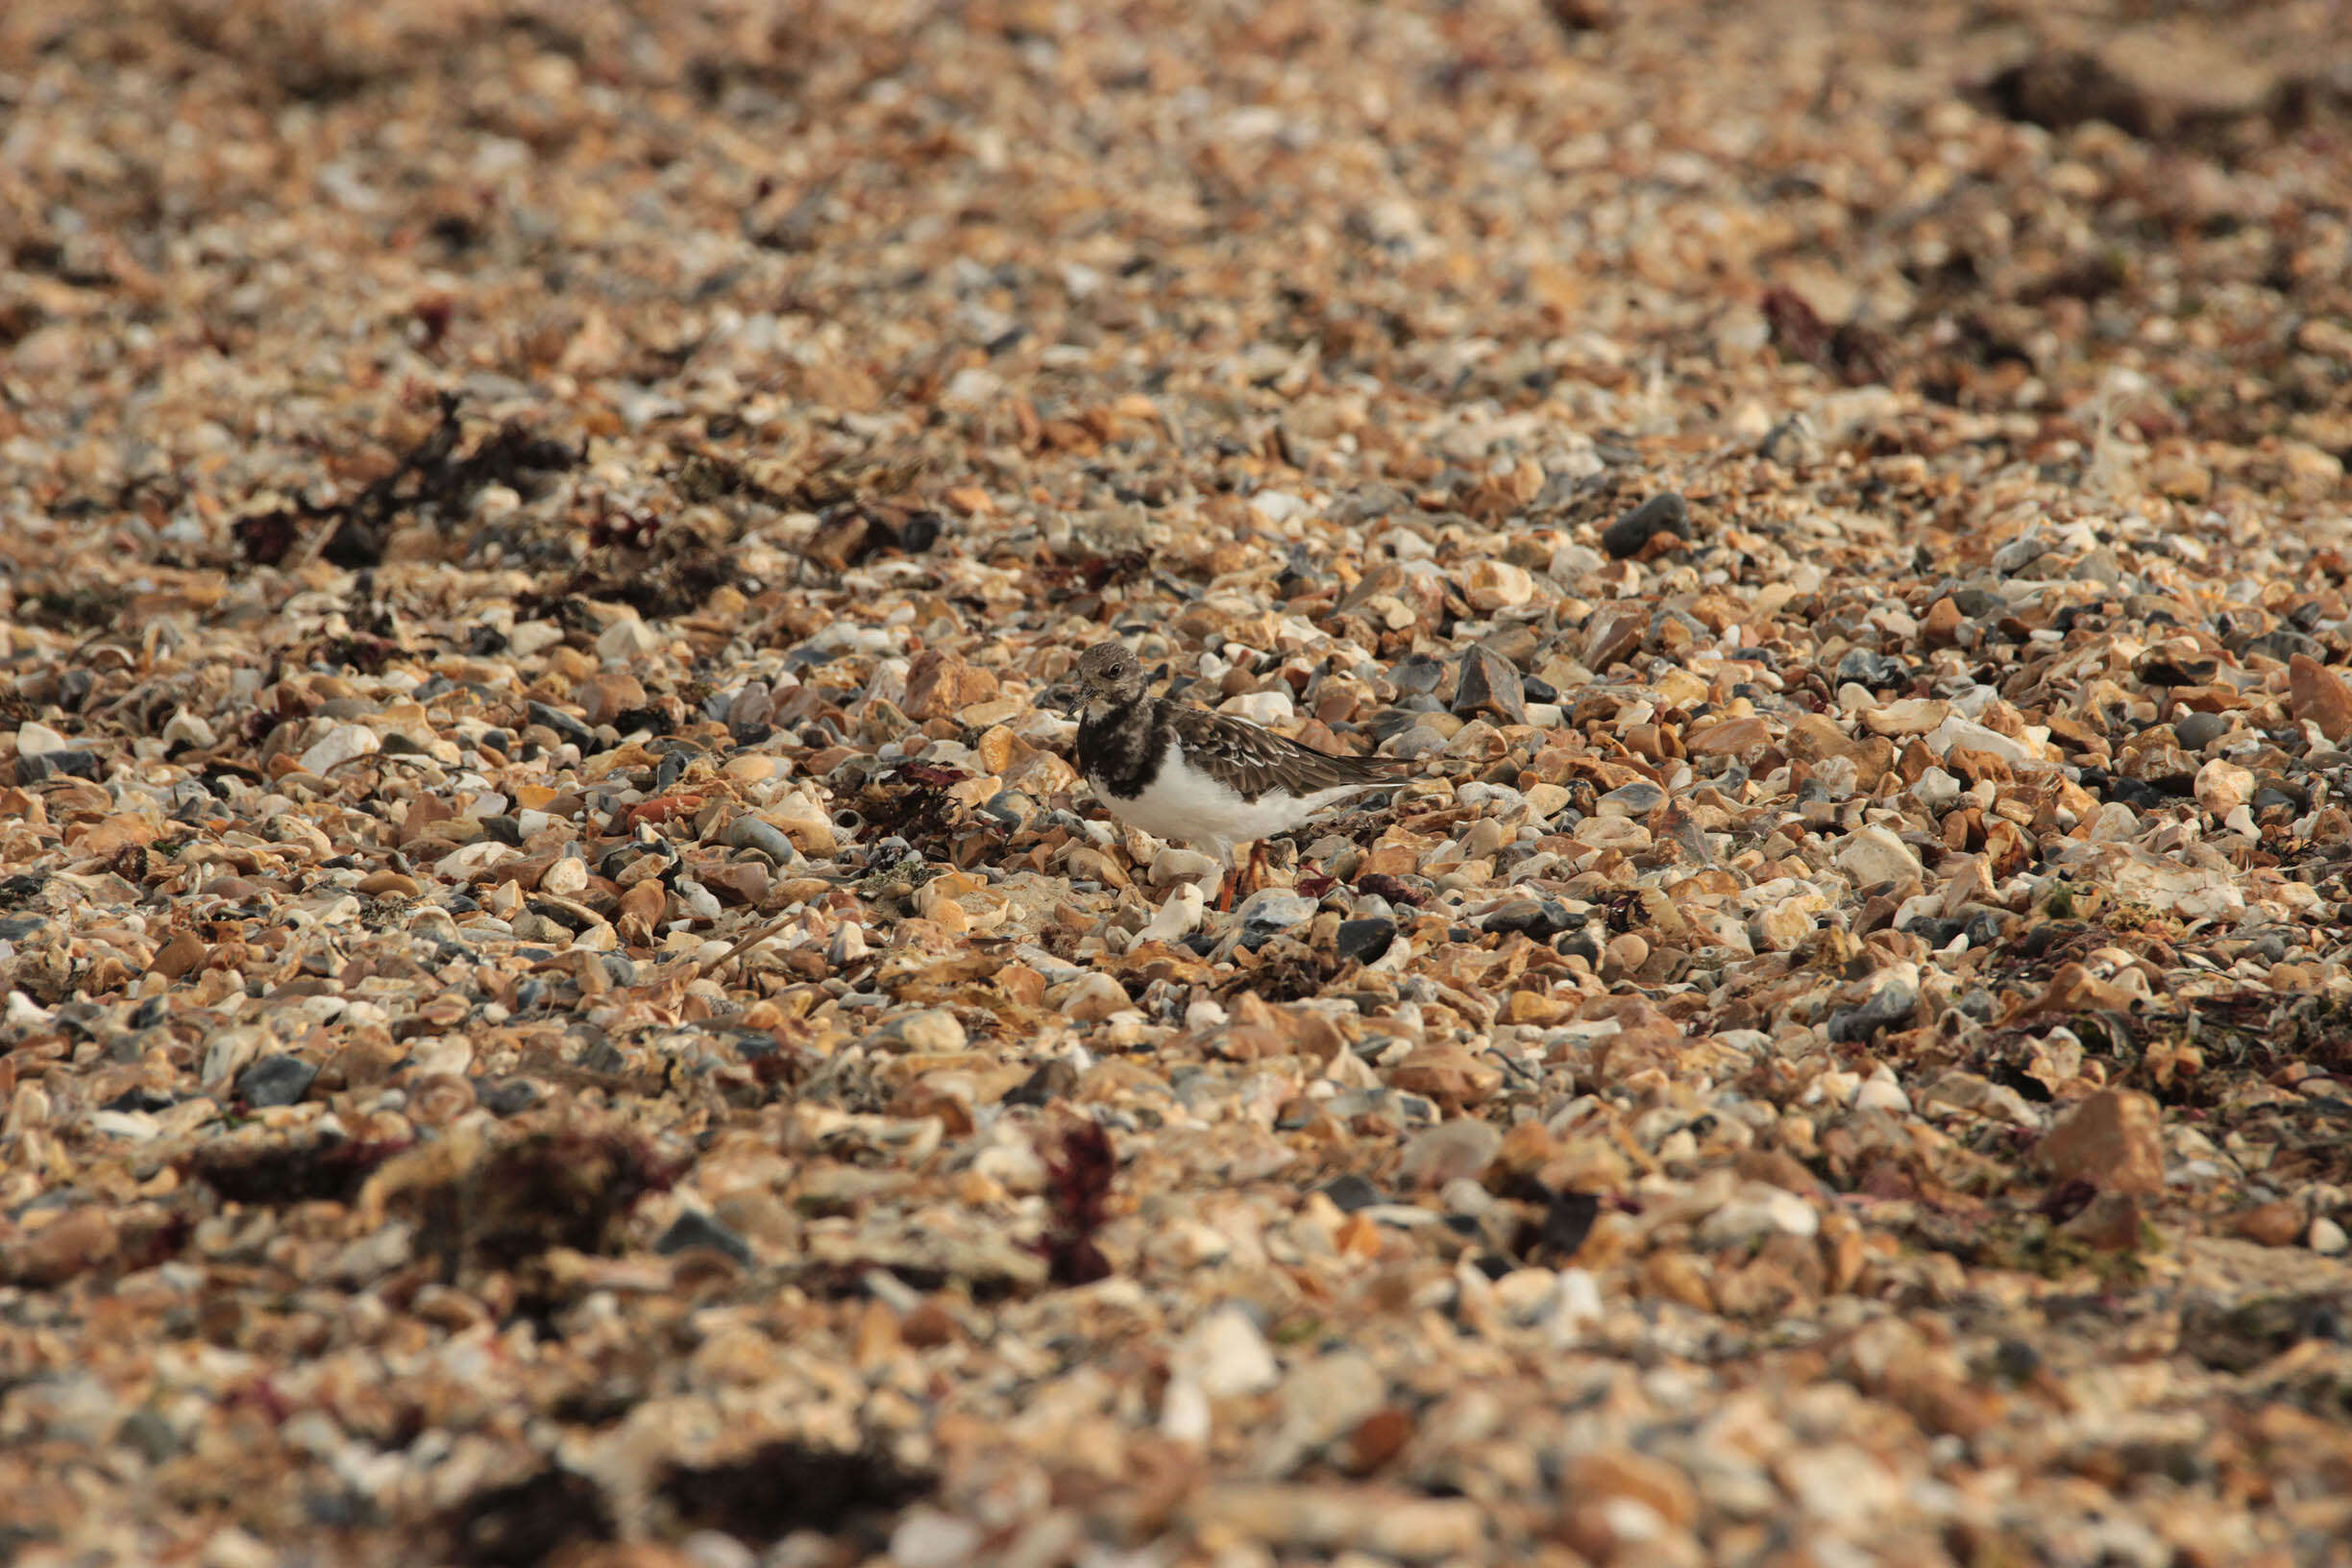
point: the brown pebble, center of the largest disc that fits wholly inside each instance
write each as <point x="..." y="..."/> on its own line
<point x="63" y="1249"/>
<point x="2319" y="694"/>
<point x="184" y="952"/>
<point x="2278" y="1224"/>
<point x="2114" y="1140"/>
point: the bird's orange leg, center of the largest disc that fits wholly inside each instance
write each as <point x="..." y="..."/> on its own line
<point x="1229" y="876"/>
<point x="1255" y="873"/>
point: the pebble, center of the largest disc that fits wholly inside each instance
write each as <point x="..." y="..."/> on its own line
<point x="38" y="739"/>
<point x="2112" y="1139"/>
<point x="1364" y="940"/>
<point x="2318" y="695"/>
<point x="927" y="1538"/>
<point x="1463" y="1147"/>
<point x="342" y="744"/>
<point x="1634" y="801"/>
<point x="1224" y="1356"/>
<point x="1756" y="1210"/>
<point x="692" y="1230"/>
<point x="932" y="1031"/>
<point x="1872" y="855"/>
<point x="1891" y="1004"/>
<point x="275" y="1080"/>
<point x="748" y="832"/>
<point x="1269" y="914"/>
<point x="1486" y="684"/>
<point x="1631" y="533"/>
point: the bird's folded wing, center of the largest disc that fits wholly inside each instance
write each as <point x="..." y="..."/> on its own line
<point x="1254" y="761"/>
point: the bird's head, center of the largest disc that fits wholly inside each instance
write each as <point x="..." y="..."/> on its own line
<point x="1108" y="676"/>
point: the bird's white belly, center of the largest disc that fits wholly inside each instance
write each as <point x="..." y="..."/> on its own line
<point x="1189" y="807"/>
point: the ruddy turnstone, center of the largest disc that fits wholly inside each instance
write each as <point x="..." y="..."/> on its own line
<point x="1206" y="778"/>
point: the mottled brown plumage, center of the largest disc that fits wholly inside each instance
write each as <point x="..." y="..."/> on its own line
<point x="1254" y="761"/>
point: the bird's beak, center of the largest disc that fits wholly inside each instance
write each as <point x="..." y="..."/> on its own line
<point x="1062" y="699"/>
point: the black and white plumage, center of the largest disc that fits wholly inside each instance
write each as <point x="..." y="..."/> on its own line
<point x="1203" y="778"/>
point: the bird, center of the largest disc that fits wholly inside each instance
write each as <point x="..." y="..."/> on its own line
<point x="1209" y="779"/>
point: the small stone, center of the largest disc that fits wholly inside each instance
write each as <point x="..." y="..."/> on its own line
<point x="66" y="1248"/>
<point x="1175" y="862"/>
<point x="68" y="763"/>
<point x="1364" y="940"/>
<point x="694" y="1229"/>
<point x="38" y="739"/>
<point x="2113" y="1139"/>
<point x="1178" y="915"/>
<point x="1599" y="1474"/>
<point x="1461" y="1147"/>
<point x="190" y="730"/>
<point x="2222" y="787"/>
<point x="1872" y="855"/>
<point x="275" y="1080"/>
<point x="1319" y="1402"/>
<point x="1487" y="685"/>
<point x="1094" y="997"/>
<point x="1272" y="912"/>
<point x="1351" y="1192"/>
<point x="2278" y="1224"/>
<point x="1624" y="954"/>
<point x="938" y="685"/>
<point x="344" y="743"/>
<point x="1783" y="926"/>
<point x="1378" y="1438"/>
<point x="629" y="641"/>
<point x="926" y="1539"/>
<point x="1758" y="1210"/>
<point x="1911" y="716"/>
<point x="1446" y="1073"/>
<point x="2110" y="1222"/>
<point x="609" y="693"/>
<point x="1840" y="1483"/>
<point x="2318" y="695"/>
<point x="184" y="952"/>
<point x="1491" y="585"/>
<point x="1416" y="674"/>
<point x="1541" y="919"/>
<point x="564" y="724"/>
<point x="1891" y="1004"/>
<point x="1744" y="737"/>
<point x="2182" y="477"/>
<point x="148" y="1434"/>
<point x="1613" y="636"/>
<point x="1051" y="1081"/>
<point x="707" y="1548"/>
<point x="748" y="832"/>
<point x="932" y="1031"/>
<point x="1633" y="801"/>
<point x="1664" y="514"/>
<point x="2327" y="1237"/>
<point x="2199" y="730"/>
<point x="1224" y="1356"/>
<point x="1882" y="1092"/>
<point x="1261" y="708"/>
